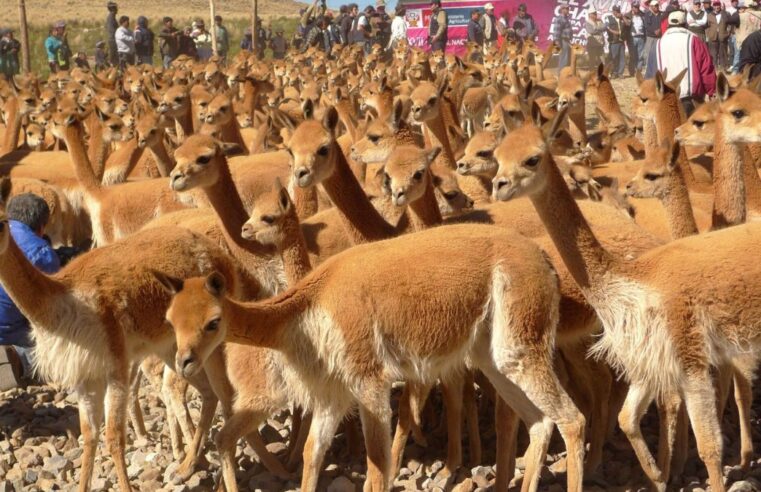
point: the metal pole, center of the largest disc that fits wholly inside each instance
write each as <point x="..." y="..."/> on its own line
<point x="212" y="13"/>
<point x="25" y="59"/>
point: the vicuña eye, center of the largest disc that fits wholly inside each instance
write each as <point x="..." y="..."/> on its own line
<point x="533" y="162"/>
<point x="212" y="325"/>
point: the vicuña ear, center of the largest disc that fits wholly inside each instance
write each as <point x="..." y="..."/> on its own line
<point x="284" y="199"/>
<point x="230" y="149"/>
<point x="397" y="115"/>
<point x="215" y="284"/>
<point x="431" y="155"/>
<point x="5" y="189"/>
<point x="308" y="109"/>
<point x="674" y="155"/>
<point x="722" y="87"/>
<point x="171" y="285"/>
<point x="330" y="120"/>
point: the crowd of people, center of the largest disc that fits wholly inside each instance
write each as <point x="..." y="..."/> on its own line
<point x="486" y="30"/>
<point x="634" y="36"/>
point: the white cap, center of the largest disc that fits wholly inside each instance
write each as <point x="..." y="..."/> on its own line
<point x="591" y="11"/>
<point x="655" y="3"/>
<point x="489" y="6"/>
<point x="677" y="18"/>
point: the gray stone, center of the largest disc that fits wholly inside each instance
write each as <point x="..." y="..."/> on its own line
<point x="341" y="484"/>
<point x="749" y="485"/>
<point x="58" y="465"/>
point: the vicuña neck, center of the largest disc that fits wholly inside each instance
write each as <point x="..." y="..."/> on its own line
<point x="231" y="214"/>
<point x="99" y="150"/>
<point x="74" y="137"/>
<point x="439" y="137"/>
<point x="678" y="208"/>
<point x="122" y="161"/>
<point x="728" y="182"/>
<point x="346" y="114"/>
<point x="294" y="249"/>
<point x="752" y="182"/>
<point x="586" y="260"/>
<point x="231" y="134"/>
<point x="649" y="138"/>
<point x="271" y="318"/>
<point x="12" y="131"/>
<point x="425" y="211"/>
<point x="606" y="98"/>
<point x="36" y="294"/>
<point x="667" y="119"/>
<point x="361" y="220"/>
<point x="164" y="162"/>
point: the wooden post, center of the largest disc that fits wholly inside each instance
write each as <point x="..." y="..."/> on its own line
<point x="255" y="32"/>
<point x="213" y="29"/>
<point x="25" y="59"/>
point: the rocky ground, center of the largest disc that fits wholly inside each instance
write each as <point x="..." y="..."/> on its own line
<point x="39" y="451"/>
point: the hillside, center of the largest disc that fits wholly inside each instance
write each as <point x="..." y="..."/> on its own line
<point x="45" y="12"/>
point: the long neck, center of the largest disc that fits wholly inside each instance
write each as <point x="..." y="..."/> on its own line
<point x="305" y="201"/>
<point x="678" y="208"/>
<point x="606" y="98"/>
<point x="164" y="162"/>
<point x="362" y="221"/>
<point x="728" y="183"/>
<point x="259" y="142"/>
<point x="262" y="324"/>
<point x="35" y="293"/>
<point x="439" y="136"/>
<point x="752" y="182"/>
<point x="121" y="162"/>
<point x="404" y="136"/>
<point x="649" y="138"/>
<point x="572" y="63"/>
<point x="577" y="120"/>
<point x="14" y="127"/>
<point x="345" y="114"/>
<point x="425" y="211"/>
<point x="586" y="260"/>
<point x="231" y="214"/>
<point x="667" y="119"/>
<point x="294" y="249"/>
<point x="82" y="168"/>
<point x="231" y="134"/>
<point x="185" y="122"/>
<point x="98" y="150"/>
<point x="250" y="97"/>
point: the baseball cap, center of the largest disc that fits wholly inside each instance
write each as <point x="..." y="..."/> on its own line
<point x="716" y="3"/>
<point x="616" y="8"/>
<point x="59" y="24"/>
<point x="655" y="3"/>
<point x="677" y="18"/>
<point x="591" y="11"/>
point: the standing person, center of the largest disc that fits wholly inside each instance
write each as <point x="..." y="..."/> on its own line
<point x="475" y="31"/>
<point x="101" y="57"/>
<point x="111" y="26"/>
<point x="750" y="21"/>
<point x="653" y="18"/>
<point x="679" y="49"/>
<point x="125" y="43"/>
<point x="398" y="27"/>
<point x="381" y="24"/>
<point x="52" y="47"/>
<point x="144" y="41"/>
<point x="717" y="35"/>
<point x="562" y="30"/>
<point x="9" y="50"/>
<point x="734" y="26"/>
<point x="524" y="25"/>
<point x="637" y="48"/>
<point x="278" y="44"/>
<point x="503" y="27"/>
<point x="223" y="38"/>
<point x="247" y="43"/>
<point x="697" y="20"/>
<point x="615" y="28"/>
<point x="202" y="39"/>
<point x="750" y="54"/>
<point x="185" y="43"/>
<point x="169" y="39"/>
<point x="320" y="36"/>
<point x="489" y="26"/>
<point x="347" y="23"/>
<point x="595" y="38"/>
<point x="343" y="13"/>
<point x="28" y="217"/>
<point x="438" y="30"/>
<point x="361" y="29"/>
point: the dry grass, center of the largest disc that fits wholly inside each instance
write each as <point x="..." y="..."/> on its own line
<point x="41" y="12"/>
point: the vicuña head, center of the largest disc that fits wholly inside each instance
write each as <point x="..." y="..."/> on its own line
<point x="270" y="210"/>
<point x="654" y="179"/>
<point x="200" y="330"/>
<point x="406" y="174"/>
<point x="198" y="162"/>
<point x="312" y="148"/>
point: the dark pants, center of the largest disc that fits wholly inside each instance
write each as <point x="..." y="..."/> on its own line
<point x="565" y="55"/>
<point x="113" y="54"/>
<point x="639" y="47"/>
<point x="126" y="59"/>
<point x="718" y="50"/>
<point x="595" y="54"/>
<point x="617" y="59"/>
<point x="631" y="47"/>
<point x="278" y="56"/>
<point x="439" y="46"/>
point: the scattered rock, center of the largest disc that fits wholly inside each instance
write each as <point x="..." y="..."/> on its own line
<point x="341" y="484"/>
<point x="749" y="485"/>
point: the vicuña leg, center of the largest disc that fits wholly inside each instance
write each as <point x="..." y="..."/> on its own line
<point x="116" y="420"/>
<point x="701" y="407"/>
<point x="325" y="421"/>
<point x="745" y="369"/>
<point x="239" y="424"/>
<point x="637" y="400"/>
<point x="375" y="413"/>
<point x="506" y="426"/>
<point x="135" y="412"/>
<point x="471" y="417"/>
<point x="91" y="397"/>
<point x="452" y="389"/>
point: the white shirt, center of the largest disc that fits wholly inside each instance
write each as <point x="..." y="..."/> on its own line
<point x="125" y="41"/>
<point x="398" y="30"/>
<point x="692" y="22"/>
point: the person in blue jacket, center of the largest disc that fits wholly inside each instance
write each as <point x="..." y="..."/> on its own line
<point x="29" y="215"/>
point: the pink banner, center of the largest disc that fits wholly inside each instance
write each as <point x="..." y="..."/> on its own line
<point x="543" y="11"/>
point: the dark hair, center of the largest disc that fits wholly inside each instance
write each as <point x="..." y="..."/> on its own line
<point x="123" y="19"/>
<point x="400" y="10"/>
<point x="218" y="18"/>
<point x="436" y="2"/>
<point x="353" y="6"/>
<point x="474" y="11"/>
<point x="343" y="9"/>
<point x="30" y="210"/>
